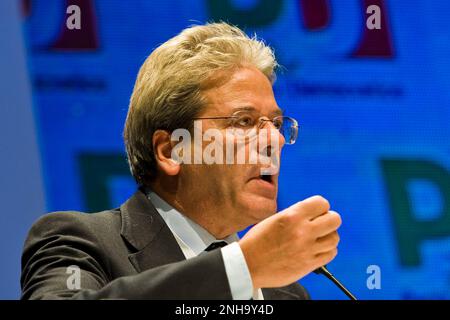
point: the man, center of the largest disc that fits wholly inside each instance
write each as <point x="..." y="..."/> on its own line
<point x="175" y="238"/>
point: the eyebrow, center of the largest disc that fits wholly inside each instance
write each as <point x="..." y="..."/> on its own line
<point x="277" y="112"/>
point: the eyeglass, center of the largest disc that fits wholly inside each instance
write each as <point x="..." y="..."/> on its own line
<point x="245" y="121"/>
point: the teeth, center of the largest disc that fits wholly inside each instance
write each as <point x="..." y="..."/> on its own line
<point x="269" y="171"/>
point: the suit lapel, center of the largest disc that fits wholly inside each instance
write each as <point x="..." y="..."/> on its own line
<point x="153" y="244"/>
<point x="145" y="230"/>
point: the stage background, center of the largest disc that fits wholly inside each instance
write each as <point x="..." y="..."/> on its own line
<point x="373" y="106"/>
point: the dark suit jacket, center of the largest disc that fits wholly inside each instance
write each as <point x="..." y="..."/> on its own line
<point x="126" y="253"/>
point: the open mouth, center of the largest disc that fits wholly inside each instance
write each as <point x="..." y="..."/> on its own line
<point x="265" y="185"/>
<point x="266" y="177"/>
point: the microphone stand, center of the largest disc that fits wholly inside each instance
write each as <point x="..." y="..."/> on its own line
<point x="323" y="270"/>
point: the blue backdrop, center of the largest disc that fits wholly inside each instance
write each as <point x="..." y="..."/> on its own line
<point x="373" y="106"/>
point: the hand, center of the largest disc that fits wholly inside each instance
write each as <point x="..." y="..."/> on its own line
<point x="290" y="244"/>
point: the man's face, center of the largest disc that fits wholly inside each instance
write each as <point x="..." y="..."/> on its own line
<point x="236" y="192"/>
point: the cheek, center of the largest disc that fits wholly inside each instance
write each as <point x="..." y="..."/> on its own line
<point x="225" y="178"/>
<point x="244" y="151"/>
<point x="252" y="150"/>
<point x="233" y="180"/>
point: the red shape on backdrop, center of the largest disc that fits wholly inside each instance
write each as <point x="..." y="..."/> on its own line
<point x="315" y="13"/>
<point x="375" y="42"/>
<point x="85" y="38"/>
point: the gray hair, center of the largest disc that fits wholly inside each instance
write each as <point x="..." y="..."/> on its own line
<point x="167" y="93"/>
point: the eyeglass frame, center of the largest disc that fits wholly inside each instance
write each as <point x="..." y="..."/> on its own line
<point x="261" y="120"/>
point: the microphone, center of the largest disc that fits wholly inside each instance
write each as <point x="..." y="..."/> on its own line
<point x="323" y="270"/>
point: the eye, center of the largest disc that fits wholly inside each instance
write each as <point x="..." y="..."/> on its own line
<point x="243" y="121"/>
<point x="278" y="122"/>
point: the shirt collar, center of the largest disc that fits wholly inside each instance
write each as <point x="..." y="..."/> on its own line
<point x="188" y="231"/>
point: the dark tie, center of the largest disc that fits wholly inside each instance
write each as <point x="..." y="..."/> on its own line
<point x="215" y="245"/>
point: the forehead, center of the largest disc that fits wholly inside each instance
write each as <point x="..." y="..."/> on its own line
<point x="246" y="88"/>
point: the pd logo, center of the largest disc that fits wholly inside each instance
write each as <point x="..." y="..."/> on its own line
<point x="315" y="15"/>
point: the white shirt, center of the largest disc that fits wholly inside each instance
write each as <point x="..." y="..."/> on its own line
<point x="193" y="239"/>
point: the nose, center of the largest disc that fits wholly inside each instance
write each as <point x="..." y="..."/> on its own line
<point x="272" y="133"/>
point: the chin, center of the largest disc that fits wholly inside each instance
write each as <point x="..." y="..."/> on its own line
<point x="260" y="208"/>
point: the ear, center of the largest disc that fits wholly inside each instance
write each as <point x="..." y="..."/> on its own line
<point x="162" y="147"/>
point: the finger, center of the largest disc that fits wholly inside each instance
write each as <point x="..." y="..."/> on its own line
<point x="310" y="208"/>
<point x="326" y="223"/>
<point x="326" y="257"/>
<point x="328" y="242"/>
